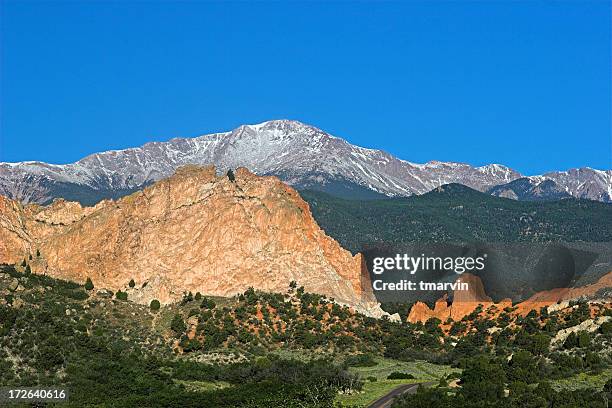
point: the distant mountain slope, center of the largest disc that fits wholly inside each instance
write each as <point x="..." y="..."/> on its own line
<point x="530" y="189"/>
<point x="301" y="155"/>
<point x="455" y="213"/>
<point x="530" y="246"/>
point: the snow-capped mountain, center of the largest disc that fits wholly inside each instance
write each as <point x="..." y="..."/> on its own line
<point x="582" y="183"/>
<point x="301" y="155"/>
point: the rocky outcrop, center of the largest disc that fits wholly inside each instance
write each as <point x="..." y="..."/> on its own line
<point x="194" y="231"/>
<point x="590" y="326"/>
<point x="465" y="302"/>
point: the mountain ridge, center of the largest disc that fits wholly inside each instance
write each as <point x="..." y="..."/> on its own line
<point x="301" y="155"/>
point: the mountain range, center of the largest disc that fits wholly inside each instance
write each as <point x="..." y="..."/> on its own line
<point x="301" y="155"/>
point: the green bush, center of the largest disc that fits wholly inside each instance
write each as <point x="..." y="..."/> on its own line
<point x="178" y="325"/>
<point x="121" y="295"/>
<point x="207" y="303"/>
<point x="400" y="376"/>
<point x="361" y="360"/>
<point x="155" y="305"/>
<point x="89" y="284"/>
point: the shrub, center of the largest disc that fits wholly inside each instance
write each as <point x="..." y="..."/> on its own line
<point x="132" y="283"/>
<point x="155" y="305"/>
<point x="121" y="295"/>
<point x="89" y="284"/>
<point x="231" y="176"/>
<point x="400" y="376"/>
<point x="178" y="325"/>
<point x="207" y="303"/>
<point x="361" y="360"/>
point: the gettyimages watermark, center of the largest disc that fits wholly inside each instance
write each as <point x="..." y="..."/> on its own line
<point x="409" y="272"/>
<point x="413" y="264"/>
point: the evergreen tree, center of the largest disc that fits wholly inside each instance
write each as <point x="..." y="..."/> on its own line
<point x="132" y="283"/>
<point x="178" y="325"/>
<point x="89" y="284"/>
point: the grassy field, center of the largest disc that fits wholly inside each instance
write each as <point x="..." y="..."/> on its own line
<point x="203" y="386"/>
<point x="583" y="380"/>
<point x="422" y="372"/>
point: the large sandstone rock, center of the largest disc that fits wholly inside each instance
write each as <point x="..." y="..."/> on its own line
<point x="465" y="302"/>
<point x="194" y="231"/>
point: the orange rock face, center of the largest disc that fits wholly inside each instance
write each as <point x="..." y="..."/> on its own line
<point x="465" y="302"/>
<point x="194" y="231"/>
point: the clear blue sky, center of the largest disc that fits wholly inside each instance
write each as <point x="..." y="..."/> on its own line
<point x="522" y="83"/>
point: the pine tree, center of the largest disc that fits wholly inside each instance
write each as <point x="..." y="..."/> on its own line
<point x="132" y="283"/>
<point x="89" y="284"/>
<point x="178" y="325"/>
<point x="231" y="176"/>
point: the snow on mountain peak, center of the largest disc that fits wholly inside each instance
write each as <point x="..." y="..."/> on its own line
<point x="298" y="153"/>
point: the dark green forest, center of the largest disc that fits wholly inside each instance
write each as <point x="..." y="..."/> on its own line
<point x="456" y="213"/>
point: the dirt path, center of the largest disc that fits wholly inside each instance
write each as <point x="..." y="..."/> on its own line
<point x="386" y="400"/>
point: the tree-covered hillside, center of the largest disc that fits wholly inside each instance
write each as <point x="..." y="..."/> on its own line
<point x="455" y="213"/>
<point x="294" y="349"/>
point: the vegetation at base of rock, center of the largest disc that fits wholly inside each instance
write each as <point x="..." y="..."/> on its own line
<point x="121" y="295"/>
<point x="154" y="305"/>
<point x="268" y="349"/>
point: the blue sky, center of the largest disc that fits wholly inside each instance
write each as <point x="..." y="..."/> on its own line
<point x="522" y="83"/>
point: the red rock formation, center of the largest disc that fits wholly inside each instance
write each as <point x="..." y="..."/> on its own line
<point x="465" y="302"/>
<point x="193" y="231"/>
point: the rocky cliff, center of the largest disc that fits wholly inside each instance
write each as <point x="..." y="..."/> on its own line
<point x="194" y="231"/>
<point x="465" y="302"/>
